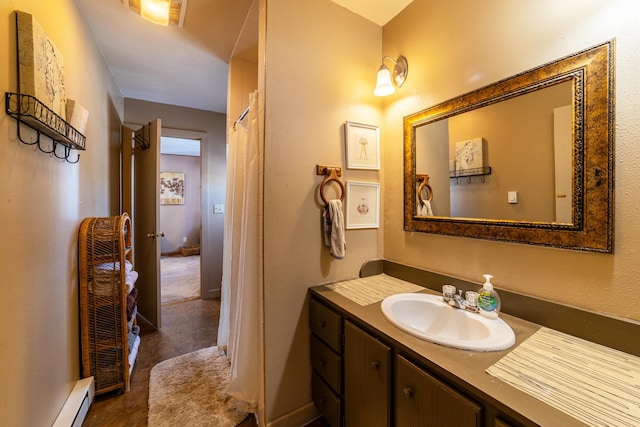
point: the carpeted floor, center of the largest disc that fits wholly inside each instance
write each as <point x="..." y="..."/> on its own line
<point x="180" y="278"/>
<point x="189" y="390"/>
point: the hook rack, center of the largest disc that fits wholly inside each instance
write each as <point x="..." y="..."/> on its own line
<point x="333" y="173"/>
<point x="468" y="173"/>
<point x="141" y="140"/>
<point x="29" y="111"/>
<point x="424" y="183"/>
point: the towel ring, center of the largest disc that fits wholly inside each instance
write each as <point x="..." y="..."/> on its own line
<point x="332" y="176"/>
<point x="424" y="183"/>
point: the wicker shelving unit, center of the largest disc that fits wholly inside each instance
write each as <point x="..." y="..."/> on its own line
<point x="104" y="249"/>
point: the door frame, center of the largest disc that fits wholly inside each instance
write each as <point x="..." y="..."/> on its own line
<point x="205" y="250"/>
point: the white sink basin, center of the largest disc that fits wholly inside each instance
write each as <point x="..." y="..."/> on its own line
<point x="428" y="317"/>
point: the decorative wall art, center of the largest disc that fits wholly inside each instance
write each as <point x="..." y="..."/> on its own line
<point x="363" y="205"/>
<point x="40" y="64"/>
<point x="171" y="188"/>
<point x="469" y="154"/>
<point x="77" y="115"/>
<point x="363" y="146"/>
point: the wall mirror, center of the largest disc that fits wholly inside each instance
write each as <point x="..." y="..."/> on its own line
<point x="529" y="159"/>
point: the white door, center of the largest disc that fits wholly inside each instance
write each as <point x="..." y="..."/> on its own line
<point x="563" y="154"/>
<point x="144" y="205"/>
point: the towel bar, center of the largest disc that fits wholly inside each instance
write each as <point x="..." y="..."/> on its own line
<point x="424" y="183"/>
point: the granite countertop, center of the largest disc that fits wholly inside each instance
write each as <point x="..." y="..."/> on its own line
<point x="462" y="367"/>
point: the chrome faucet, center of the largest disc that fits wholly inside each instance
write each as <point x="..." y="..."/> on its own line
<point x="458" y="300"/>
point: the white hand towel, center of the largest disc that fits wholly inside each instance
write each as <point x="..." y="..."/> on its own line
<point x="333" y="228"/>
<point x="426" y="208"/>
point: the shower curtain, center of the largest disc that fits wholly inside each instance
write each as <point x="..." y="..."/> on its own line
<point x="238" y="329"/>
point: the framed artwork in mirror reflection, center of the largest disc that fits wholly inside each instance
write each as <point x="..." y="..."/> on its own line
<point x="362" y="146"/>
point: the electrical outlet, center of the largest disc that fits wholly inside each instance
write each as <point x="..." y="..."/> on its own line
<point x="218" y="208"/>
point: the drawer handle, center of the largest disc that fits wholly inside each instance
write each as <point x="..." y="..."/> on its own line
<point x="408" y="391"/>
<point x="375" y="365"/>
<point x="323" y="400"/>
<point x="323" y="323"/>
<point x="323" y="362"/>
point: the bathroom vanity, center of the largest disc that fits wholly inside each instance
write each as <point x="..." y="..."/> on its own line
<point x="367" y="372"/>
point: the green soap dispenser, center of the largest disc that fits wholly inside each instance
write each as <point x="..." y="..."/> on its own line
<point x="488" y="299"/>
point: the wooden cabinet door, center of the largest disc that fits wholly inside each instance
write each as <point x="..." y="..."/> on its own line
<point x="422" y="400"/>
<point x="366" y="376"/>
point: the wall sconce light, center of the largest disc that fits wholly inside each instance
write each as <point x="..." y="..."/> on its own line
<point x="161" y="12"/>
<point x="384" y="85"/>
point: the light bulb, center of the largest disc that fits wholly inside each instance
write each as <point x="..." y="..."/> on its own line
<point x="384" y="86"/>
<point x="156" y="11"/>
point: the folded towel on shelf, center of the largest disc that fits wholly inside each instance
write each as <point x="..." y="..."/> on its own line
<point x="333" y="228"/>
<point x="130" y="280"/>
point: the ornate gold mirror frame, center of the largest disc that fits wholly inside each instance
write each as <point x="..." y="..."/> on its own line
<point x="592" y="228"/>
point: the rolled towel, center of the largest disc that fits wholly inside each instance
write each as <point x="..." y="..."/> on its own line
<point x="333" y="228"/>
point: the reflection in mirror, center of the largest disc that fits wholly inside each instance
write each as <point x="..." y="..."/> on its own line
<point x="528" y="159"/>
<point x="528" y="143"/>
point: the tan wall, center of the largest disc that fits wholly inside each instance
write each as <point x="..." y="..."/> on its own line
<point x="243" y="79"/>
<point x="520" y="153"/>
<point x="457" y="46"/>
<point x="320" y="62"/>
<point x="179" y="221"/>
<point x="42" y="202"/>
<point x="212" y="127"/>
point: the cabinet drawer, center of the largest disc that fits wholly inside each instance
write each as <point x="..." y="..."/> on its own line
<point x="423" y="400"/>
<point x="326" y="363"/>
<point x="326" y="324"/>
<point x="327" y="402"/>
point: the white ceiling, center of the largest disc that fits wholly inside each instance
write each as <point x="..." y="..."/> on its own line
<point x="378" y="11"/>
<point x="188" y="66"/>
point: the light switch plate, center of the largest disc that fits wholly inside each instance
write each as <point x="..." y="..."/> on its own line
<point x="512" y="196"/>
<point x="218" y="208"/>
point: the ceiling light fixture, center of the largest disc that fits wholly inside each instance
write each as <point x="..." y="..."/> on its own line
<point x="161" y="12"/>
<point x="384" y="84"/>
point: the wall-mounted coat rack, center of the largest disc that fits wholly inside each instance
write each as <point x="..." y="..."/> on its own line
<point x="142" y="141"/>
<point x="29" y="111"/>
<point x="332" y="174"/>
<point x="468" y="173"/>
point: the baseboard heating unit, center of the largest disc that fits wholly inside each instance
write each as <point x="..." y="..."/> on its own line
<point x="77" y="405"/>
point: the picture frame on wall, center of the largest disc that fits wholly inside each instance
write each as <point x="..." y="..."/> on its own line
<point x="171" y="188"/>
<point x="362" y="205"/>
<point x="362" y="146"/>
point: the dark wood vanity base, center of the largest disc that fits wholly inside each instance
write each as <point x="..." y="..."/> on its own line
<point x="368" y="372"/>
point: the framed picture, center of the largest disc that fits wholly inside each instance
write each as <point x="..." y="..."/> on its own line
<point x="363" y="146"/>
<point x="363" y="205"/>
<point x="40" y="64"/>
<point x="171" y="188"/>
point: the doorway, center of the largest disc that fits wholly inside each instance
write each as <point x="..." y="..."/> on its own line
<point x="180" y="219"/>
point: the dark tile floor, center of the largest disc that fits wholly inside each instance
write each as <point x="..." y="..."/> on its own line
<point x="186" y="326"/>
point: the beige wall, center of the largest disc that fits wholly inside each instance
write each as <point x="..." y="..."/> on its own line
<point x="320" y="64"/>
<point x="456" y="46"/>
<point x="211" y="128"/>
<point x="520" y="153"/>
<point x="243" y="80"/>
<point x="42" y="202"/>
<point x="179" y="221"/>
